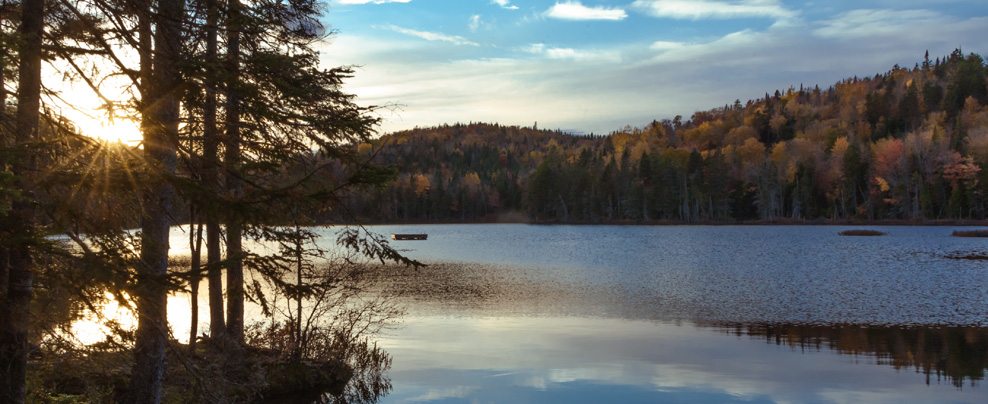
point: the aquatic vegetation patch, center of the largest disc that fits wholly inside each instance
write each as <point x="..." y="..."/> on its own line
<point x="970" y="233"/>
<point x="978" y="256"/>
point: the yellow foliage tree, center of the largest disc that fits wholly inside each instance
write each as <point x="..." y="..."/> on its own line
<point x="752" y="156"/>
<point x="740" y="135"/>
<point x="421" y="184"/>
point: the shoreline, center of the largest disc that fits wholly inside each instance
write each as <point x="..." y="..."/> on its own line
<point x="778" y="222"/>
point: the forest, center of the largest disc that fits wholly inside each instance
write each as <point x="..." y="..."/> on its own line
<point x="242" y="132"/>
<point x="907" y="144"/>
<point x="247" y="140"/>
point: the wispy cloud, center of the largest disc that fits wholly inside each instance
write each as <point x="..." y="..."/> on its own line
<point x="666" y="45"/>
<point x="536" y="48"/>
<point x="372" y="1"/>
<point x="506" y="4"/>
<point x="866" y="23"/>
<point x="431" y="36"/>
<point x="573" y="54"/>
<point x="577" y="11"/>
<point x="476" y="23"/>
<point x="711" y="9"/>
<point x="644" y="74"/>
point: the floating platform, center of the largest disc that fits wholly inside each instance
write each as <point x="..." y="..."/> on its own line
<point x="409" y="236"/>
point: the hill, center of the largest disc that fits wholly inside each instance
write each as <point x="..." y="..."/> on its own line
<point x="911" y="143"/>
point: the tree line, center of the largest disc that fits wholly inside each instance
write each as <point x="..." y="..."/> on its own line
<point x="243" y="133"/>
<point x="907" y="144"/>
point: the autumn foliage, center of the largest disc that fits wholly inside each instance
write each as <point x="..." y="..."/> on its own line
<point x="911" y="143"/>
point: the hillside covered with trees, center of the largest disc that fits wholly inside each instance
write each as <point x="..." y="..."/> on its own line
<point x="910" y="143"/>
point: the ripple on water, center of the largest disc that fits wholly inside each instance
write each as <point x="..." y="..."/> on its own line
<point x="793" y="274"/>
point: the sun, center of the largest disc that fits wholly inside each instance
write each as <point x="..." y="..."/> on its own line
<point x="81" y="105"/>
<point x="119" y="130"/>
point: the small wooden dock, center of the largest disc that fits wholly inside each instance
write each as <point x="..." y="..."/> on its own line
<point x="409" y="236"/>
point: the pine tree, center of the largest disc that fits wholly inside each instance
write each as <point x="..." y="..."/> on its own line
<point x="19" y="223"/>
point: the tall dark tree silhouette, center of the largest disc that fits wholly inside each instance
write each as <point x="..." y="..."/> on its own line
<point x="160" y="144"/>
<point x="19" y="222"/>
<point x="217" y="325"/>
<point x="234" y="226"/>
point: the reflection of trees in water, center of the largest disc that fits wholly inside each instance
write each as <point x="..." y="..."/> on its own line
<point x="314" y="346"/>
<point x="952" y="353"/>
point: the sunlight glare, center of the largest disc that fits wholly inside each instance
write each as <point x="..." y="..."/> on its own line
<point x="91" y="328"/>
<point x="119" y="130"/>
<point x="78" y="103"/>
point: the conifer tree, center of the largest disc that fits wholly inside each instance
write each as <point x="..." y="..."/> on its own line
<point x="19" y="222"/>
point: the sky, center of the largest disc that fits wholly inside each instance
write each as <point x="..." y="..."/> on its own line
<point x="597" y="66"/>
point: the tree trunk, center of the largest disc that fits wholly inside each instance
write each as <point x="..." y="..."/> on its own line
<point x="235" y="271"/>
<point x="160" y="138"/>
<point x="195" y="246"/>
<point x="15" y="311"/>
<point x="299" y="266"/>
<point x="217" y="325"/>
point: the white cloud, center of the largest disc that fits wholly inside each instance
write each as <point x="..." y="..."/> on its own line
<point x="709" y="9"/>
<point x="666" y="45"/>
<point x="476" y="23"/>
<point x="372" y="1"/>
<point x="506" y="4"/>
<point x="867" y="23"/>
<point x="431" y="36"/>
<point x="577" y="11"/>
<point x="536" y="48"/>
<point x="562" y="85"/>
<point x="573" y="54"/>
<point x="583" y="56"/>
<point x="726" y="45"/>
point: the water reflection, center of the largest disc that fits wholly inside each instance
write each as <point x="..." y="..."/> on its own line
<point x="566" y="359"/>
<point x="950" y="354"/>
<point x="765" y="314"/>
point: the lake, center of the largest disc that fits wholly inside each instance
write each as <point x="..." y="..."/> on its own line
<point x="589" y="314"/>
<point x="568" y="314"/>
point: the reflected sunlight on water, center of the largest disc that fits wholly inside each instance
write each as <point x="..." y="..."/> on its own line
<point x="92" y="328"/>
<point x="564" y="314"/>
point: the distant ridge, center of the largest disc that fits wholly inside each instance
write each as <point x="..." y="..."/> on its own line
<point x="907" y="144"/>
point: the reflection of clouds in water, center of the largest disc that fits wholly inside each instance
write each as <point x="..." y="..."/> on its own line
<point x="435" y="394"/>
<point x="536" y="382"/>
<point x="551" y="358"/>
<point x="608" y="372"/>
<point x="679" y="377"/>
<point x="877" y="396"/>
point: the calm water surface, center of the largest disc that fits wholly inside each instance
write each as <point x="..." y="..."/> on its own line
<point x="564" y="314"/>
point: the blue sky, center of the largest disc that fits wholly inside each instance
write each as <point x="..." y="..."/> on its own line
<point x="596" y="66"/>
